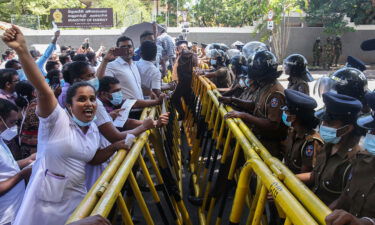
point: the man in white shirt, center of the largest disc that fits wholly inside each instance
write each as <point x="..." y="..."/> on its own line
<point x="12" y="184"/>
<point x="150" y="75"/>
<point x="124" y="69"/>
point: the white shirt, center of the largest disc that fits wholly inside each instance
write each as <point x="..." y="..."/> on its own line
<point x="150" y="75"/>
<point x="65" y="150"/>
<point x="128" y="76"/>
<point x="102" y="116"/>
<point x="11" y="201"/>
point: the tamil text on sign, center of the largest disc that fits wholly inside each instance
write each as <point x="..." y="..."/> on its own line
<point x="83" y="18"/>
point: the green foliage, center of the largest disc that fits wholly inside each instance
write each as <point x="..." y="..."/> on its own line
<point x="229" y="13"/>
<point x="331" y="14"/>
<point x="128" y="12"/>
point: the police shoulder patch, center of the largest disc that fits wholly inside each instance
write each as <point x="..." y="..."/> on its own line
<point x="274" y="102"/>
<point x="309" y="150"/>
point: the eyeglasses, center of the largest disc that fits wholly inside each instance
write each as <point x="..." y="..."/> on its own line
<point x="15" y="81"/>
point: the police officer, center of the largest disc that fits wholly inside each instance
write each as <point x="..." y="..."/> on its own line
<point x="303" y="142"/>
<point x="337" y="46"/>
<point x="262" y="110"/>
<point x="295" y="66"/>
<point x="352" y="82"/>
<point x="221" y="75"/>
<point x="317" y="52"/>
<point x="347" y="81"/>
<point x="358" y="197"/>
<point x="338" y="131"/>
<point x="238" y="69"/>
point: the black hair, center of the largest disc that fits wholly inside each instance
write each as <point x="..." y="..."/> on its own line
<point x="6" y="107"/>
<point x="53" y="77"/>
<point x="11" y="63"/>
<point x="148" y="50"/>
<point x="63" y="58"/>
<point x="50" y="65"/>
<point x="91" y="55"/>
<point x="24" y="92"/>
<point x="307" y="119"/>
<point x="72" y="53"/>
<point x="105" y="82"/>
<point x="80" y="57"/>
<point x="145" y="34"/>
<point x="34" y="53"/>
<point x="123" y="38"/>
<point x="65" y="72"/>
<point x="63" y="48"/>
<point x="76" y="70"/>
<point x="72" y="91"/>
<point x="6" y="75"/>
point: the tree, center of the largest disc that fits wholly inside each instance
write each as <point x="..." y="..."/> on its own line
<point x="331" y="14"/>
<point x="227" y="13"/>
<point x="128" y="12"/>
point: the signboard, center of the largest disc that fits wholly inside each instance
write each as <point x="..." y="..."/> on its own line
<point x="82" y="18"/>
<point x="270" y="15"/>
<point x="270" y="25"/>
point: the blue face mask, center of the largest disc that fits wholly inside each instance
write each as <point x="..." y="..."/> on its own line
<point x="284" y="117"/>
<point x="369" y="143"/>
<point x="94" y="82"/>
<point x="116" y="98"/>
<point x="21" y="75"/>
<point x="329" y="134"/>
<point x="81" y="123"/>
<point x="62" y="83"/>
<point x="213" y="62"/>
<point x="247" y="82"/>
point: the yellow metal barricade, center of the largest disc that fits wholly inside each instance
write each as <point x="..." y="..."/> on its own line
<point x="165" y="159"/>
<point x="213" y="138"/>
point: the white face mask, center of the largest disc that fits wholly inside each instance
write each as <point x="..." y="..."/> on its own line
<point x="9" y="133"/>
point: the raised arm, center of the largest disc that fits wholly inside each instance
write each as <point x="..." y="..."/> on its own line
<point x="47" y="102"/>
<point x="100" y="72"/>
<point x="48" y="52"/>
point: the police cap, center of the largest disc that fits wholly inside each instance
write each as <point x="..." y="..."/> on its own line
<point x="338" y="106"/>
<point x="368" y="121"/>
<point x="355" y="63"/>
<point x="298" y="102"/>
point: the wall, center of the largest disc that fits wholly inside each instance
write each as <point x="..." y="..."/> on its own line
<point x="301" y="39"/>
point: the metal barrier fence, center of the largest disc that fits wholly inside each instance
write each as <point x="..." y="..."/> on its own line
<point x="161" y="148"/>
<point x="254" y="173"/>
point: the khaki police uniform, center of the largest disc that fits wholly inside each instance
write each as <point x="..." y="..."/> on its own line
<point x="268" y="100"/>
<point x="358" y="197"/>
<point x="301" y="150"/>
<point x="331" y="172"/>
<point x="223" y="78"/>
<point x="298" y="84"/>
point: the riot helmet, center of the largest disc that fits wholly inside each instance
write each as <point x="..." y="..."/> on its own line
<point x="250" y="48"/>
<point x="295" y="65"/>
<point x="263" y="66"/>
<point x="239" y="64"/>
<point x="350" y="81"/>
